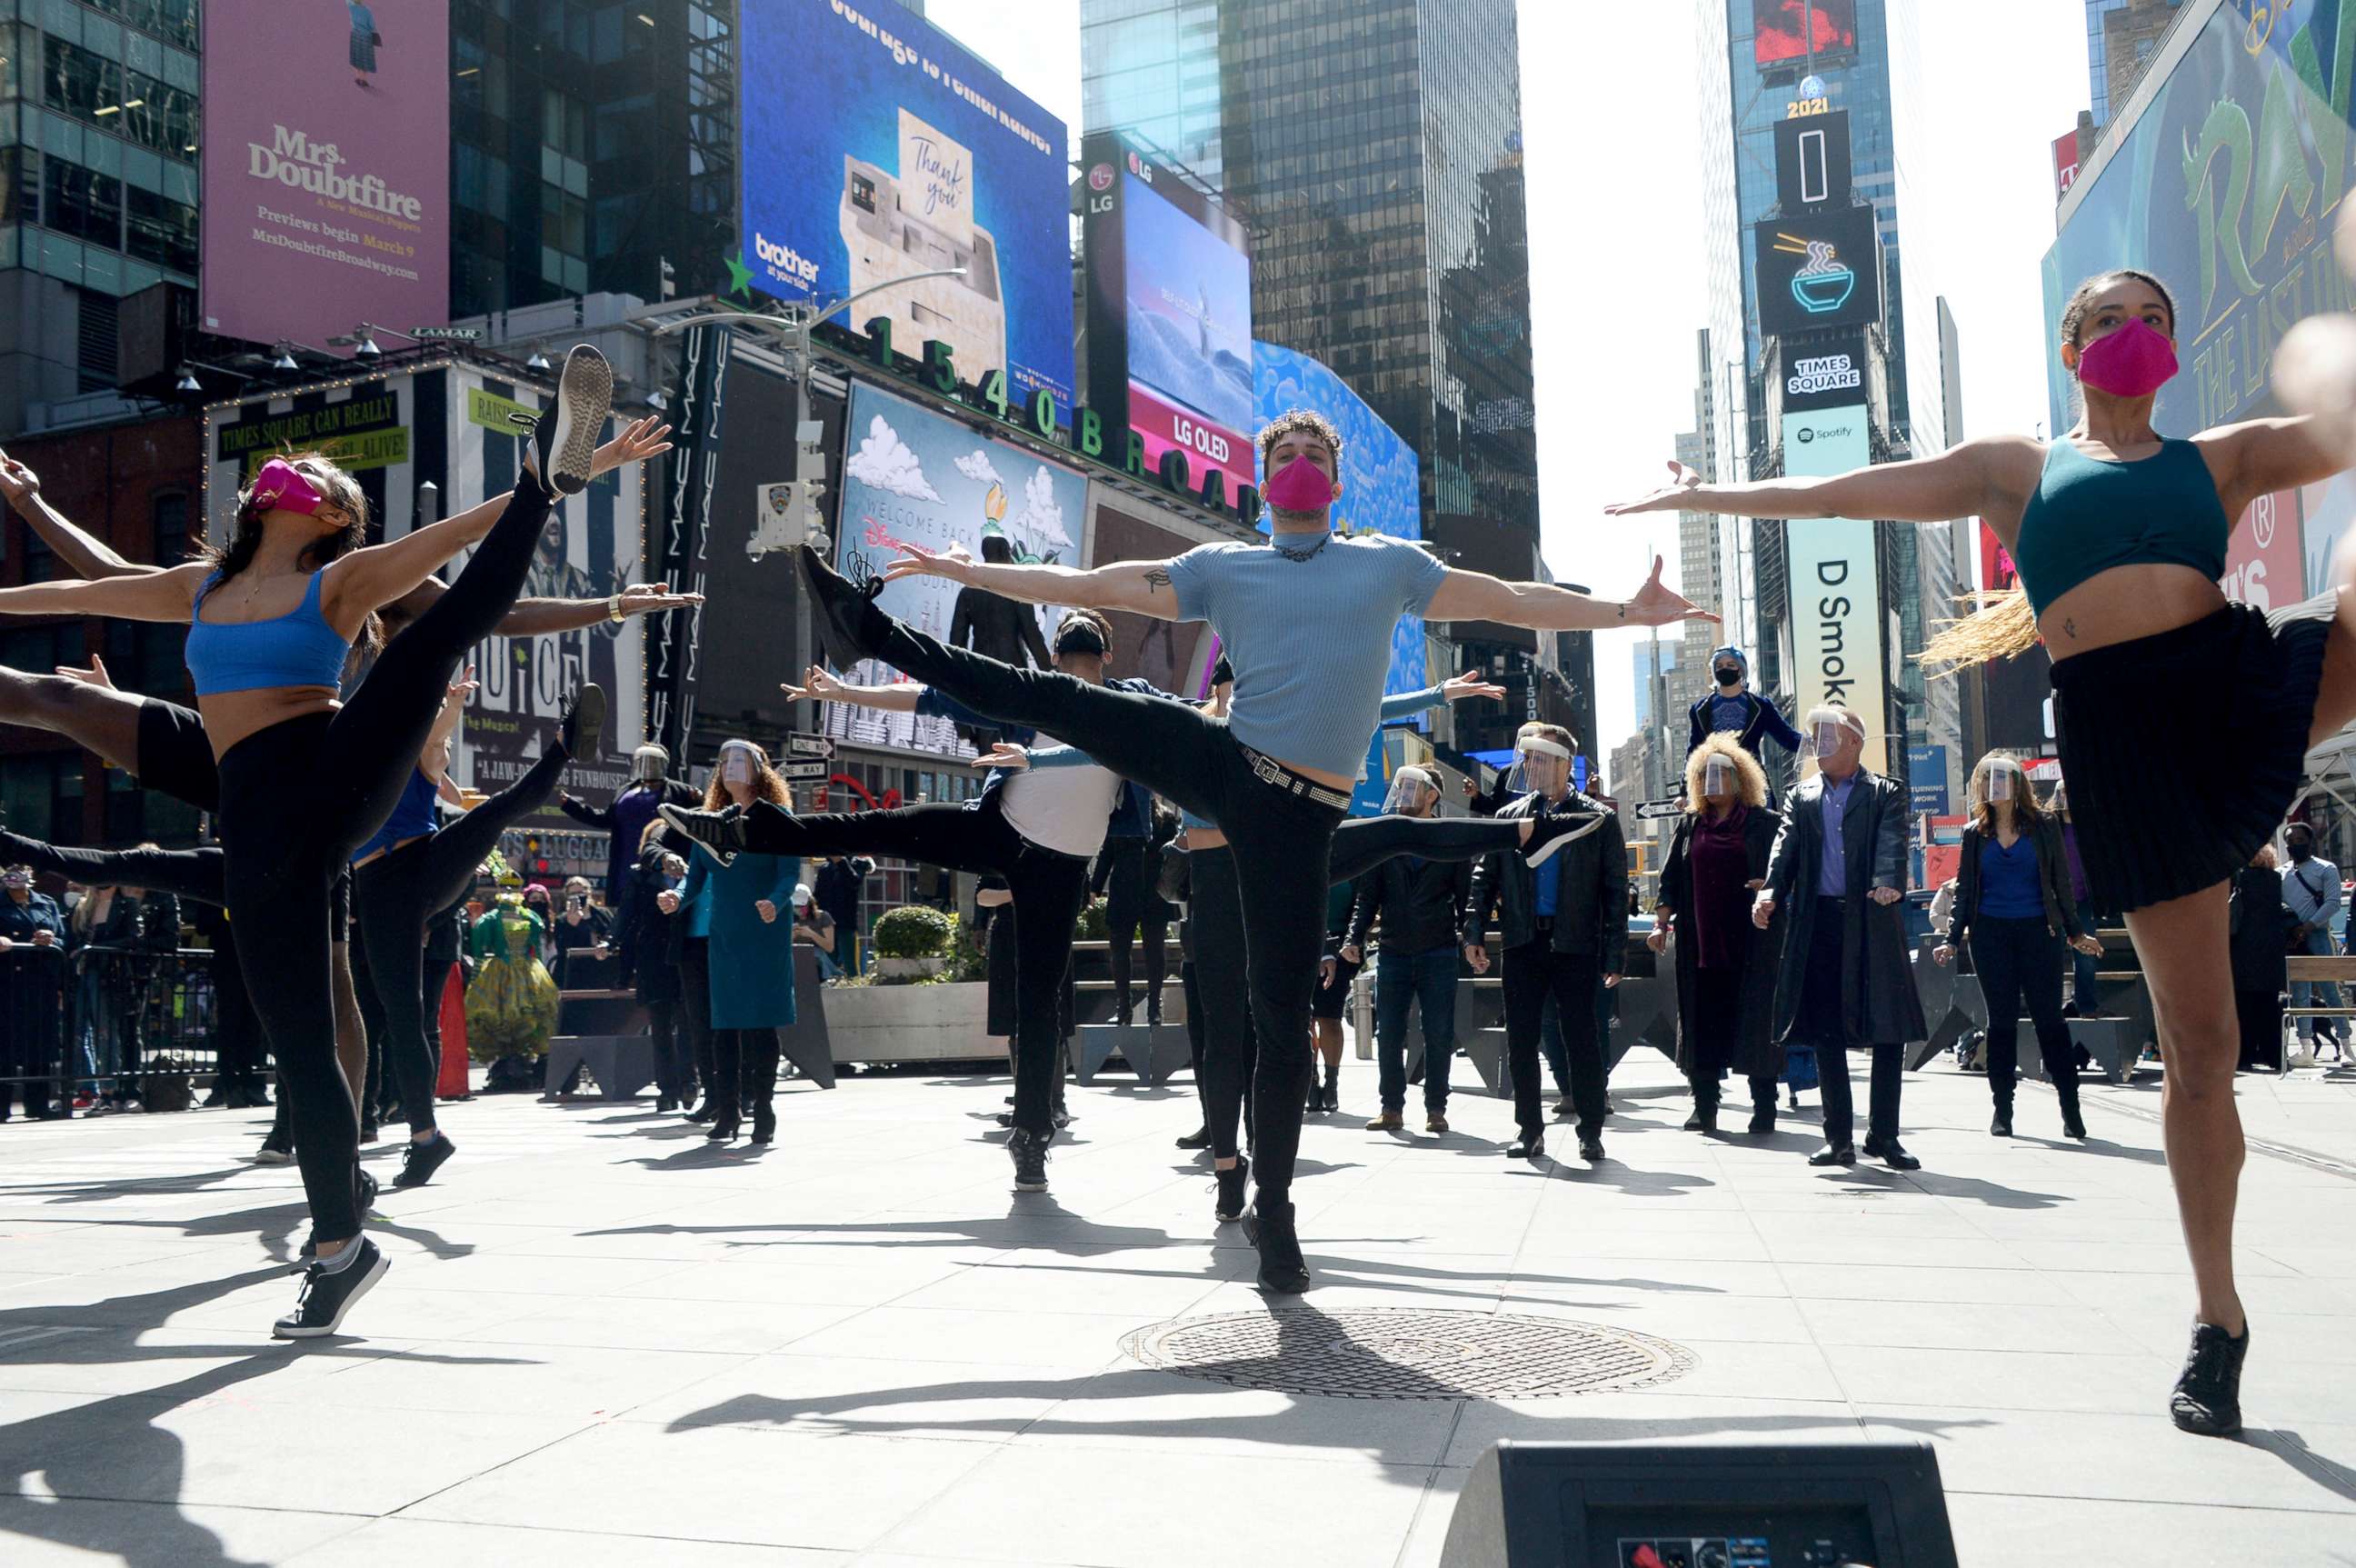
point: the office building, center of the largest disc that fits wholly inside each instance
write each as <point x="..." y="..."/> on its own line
<point x="1151" y="68"/>
<point x="2120" y="38"/>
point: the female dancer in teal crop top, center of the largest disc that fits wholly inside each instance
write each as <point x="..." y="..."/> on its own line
<point x="2120" y="537"/>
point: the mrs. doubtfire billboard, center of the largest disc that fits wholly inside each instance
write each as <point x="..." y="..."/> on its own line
<point x="327" y="167"/>
<point x="874" y="149"/>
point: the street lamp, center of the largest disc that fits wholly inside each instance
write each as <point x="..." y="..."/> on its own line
<point x="538" y="364"/>
<point x="283" y="358"/>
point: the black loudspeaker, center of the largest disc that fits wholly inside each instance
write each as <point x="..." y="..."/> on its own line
<point x="1598" y="1505"/>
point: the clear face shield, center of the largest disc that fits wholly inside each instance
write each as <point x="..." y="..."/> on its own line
<point x="1827" y="735"/>
<point x="648" y="764"/>
<point x="2003" y="779"/>
<point x="1411" y="793"/>
<point x="1540" y="766"/>
<point x="738" y="763"/>
<point x="1718" y="778"/>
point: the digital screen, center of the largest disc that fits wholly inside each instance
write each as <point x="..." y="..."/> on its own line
<point x="1189" y="307"/>
<point x="894" y="153"/>
<point x="1788" y="30"/>
<point x="1819" y="270"/>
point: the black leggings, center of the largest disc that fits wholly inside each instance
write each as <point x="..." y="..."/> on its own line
<point x="1048" y="888"/>
<point x="298" y="798"/>
<point x="1130" y="902"/>
<point x="2019" y="964"/>
<point x="674" y="1058"/>
<point x="1713" y="1038"/>
<point x="695" y="1015"/>
<point x="395" y="895"/>
<point x="745" y="1065"/>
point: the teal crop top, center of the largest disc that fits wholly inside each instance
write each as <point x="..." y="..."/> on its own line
<point x="2090" y="514"/>
<point x="297" y="649"/>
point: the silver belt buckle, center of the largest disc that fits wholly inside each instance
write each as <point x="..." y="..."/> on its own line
<point x="1264" y="766"/>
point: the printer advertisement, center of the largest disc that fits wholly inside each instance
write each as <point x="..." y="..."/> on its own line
<point x="887" y="151"/>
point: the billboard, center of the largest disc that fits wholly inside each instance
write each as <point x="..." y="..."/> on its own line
<point x="1836" y="583"/>
<point x="884" y="150"/>
<point x="1172" y="654"/>
<point x="911" y="473"/>
<point x="1926" y="781"/>
<point x="328" y="206"/>
<point x="1380" y="474"/>
<point x="1829" y="374"/>
<point x="446" y="424"/>
<point x="2065" y="163"/>
<point x="1788" y="31"/>
<point x="1819" y="270"/>
<point x="1168" y="312"/>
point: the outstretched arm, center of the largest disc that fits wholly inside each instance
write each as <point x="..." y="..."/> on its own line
<point x="433" y="757"/>
<point x="89" y="556"/>
<point x="167" y="595"/>
<point x="818" y="686"/>
<point x="534" y="618"/>
<point x="1140" y="586"/>
<point x="1476" y="595"/>
<point x="1989" y="475"/>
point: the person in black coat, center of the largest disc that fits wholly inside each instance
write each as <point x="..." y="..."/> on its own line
<point x="2013" y="896"/>
<point x="1726" y="966"/>
<point x="645" y="952"/>
<point x="1420" y="904"/>
<point x="32" y="965"/>
<point x="1837" y="875"/>
<point x="2260" y="924"/>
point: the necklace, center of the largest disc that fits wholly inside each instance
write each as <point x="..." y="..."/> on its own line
<point x="1297" y="553"/>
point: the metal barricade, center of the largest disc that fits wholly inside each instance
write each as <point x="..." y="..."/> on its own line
<point x="105" y="1018"/>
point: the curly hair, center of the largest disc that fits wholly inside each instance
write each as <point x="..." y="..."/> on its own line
<point x="1293" y="419"/>
<point x="1749" y="779"/>
<point x="769" y="784"/>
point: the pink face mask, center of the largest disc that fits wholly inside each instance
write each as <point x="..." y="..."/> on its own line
<point x="2134" y="362"/>
<point x="281" y="486"/>
<point x="1299" y="486"/>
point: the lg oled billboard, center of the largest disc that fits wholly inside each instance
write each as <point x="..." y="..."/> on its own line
<point x="1788" y="31"/>
<point x="1819" y="270"/>
<point x="1168" y="312"/>
<point x="329" y="205"/>
<point x="875" y="149"/>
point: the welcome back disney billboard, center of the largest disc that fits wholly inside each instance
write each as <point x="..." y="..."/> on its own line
<point x="874" y="148"/>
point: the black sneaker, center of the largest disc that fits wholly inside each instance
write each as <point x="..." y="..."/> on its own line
<point x="1230" y="1206"/>
<point x="1892" y="1153"/>
<point x="420" y="1161"/>
<point x="1834" y="1155"/>
<point x="1268" y="1227"/>
<point x="564" y="438"/>
<point x="584" y="721"/>
<point x="1200" y="1138"/>
<point x="1552" y="830"/>
<point x="2073" y="1125"/>
<point x="1528" y="1146"/>
<point x="2000" y="1124"/>
<point x="722" y="833"/>
<point x="2208" y="1398"/>
<point x="1763" y="1118"/>
<point x="366" y="1185"/>
<point x="1591" y="1146"/>
<point x="848" y="622"/>
<point x="1029" y="1153"/>
<point x="1702" y="1120"/>
<point x="327" y="1294"/>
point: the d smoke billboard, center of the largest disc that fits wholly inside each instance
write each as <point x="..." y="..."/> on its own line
<point x="1836" y="583"/>
<point x="326" y="205"/>
<point x="874" y="149"/>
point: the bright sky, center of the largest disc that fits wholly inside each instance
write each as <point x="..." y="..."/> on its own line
<point x="1615" y="237"/>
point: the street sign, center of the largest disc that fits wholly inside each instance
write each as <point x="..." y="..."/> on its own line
<point x="446" y="334"/>
<point x="805" y="770"/>
<point x="809" y="745"/>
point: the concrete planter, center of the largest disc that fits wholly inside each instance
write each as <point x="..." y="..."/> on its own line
<point x="910" y="1023"/>
<point x="909" y="967"/>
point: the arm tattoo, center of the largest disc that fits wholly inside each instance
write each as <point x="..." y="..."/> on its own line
<point x="1156" y="579"/>
<point x="2069" y="629"/>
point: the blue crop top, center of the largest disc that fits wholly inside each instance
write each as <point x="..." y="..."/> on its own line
<point x="297" y="649"/>
<point x="2090" y="514"/>
<point x="413" y="817"/>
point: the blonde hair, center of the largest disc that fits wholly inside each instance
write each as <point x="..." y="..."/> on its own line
<point x="2266" y="857"/>
<point x="1749" y="779"/>
<point x="2026" y="811"/>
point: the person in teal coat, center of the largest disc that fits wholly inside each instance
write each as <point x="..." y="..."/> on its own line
<point x="737" y="948"/>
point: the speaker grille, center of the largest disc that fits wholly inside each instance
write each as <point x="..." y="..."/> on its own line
<point x="1405" y="1354"/>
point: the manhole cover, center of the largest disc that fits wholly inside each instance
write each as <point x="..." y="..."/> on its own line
<point x="1402" y="1354"/>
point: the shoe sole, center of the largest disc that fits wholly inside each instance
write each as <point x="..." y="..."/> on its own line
<point x="1545" y="851"/>
<point x="584" y="395"/>
<point x="274" y="1158"/>
<point x="673" y="818"/>
<point x="368" y="1282"/>
<point x="588" y="719"/>
<point x="840" y="653"/>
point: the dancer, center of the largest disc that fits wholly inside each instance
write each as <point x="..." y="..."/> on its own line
<point x="1307" y="619"/>
<point x="1839" y="865"/>
<point x="2012" y="896"/>
<point x="2120" y="536"/>
<point x="1420" y="905"/>
<point x="1735" y="709"/>
<point x="303" y="780"/>
<point x="1725" y="965"/>
<point x="1563" y="931"/>
<point x="736" y="912"/>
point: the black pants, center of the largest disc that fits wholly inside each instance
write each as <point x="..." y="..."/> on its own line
<point x="1047" y="889"/>
<point x="695" y="1012"/>
<point x="1131" y="903"/>
<point x="1361" y="843"/>
<point x="674" y="1058"/>
<point x="1230" y="1050"/>
<point x="1533" y="973"/>
<point x="31" y="1005"/>
<point x="236" y="1030"/>
<point x="1186" y="983"/>
<point x="296" y="798"/>
<point x="2019" y="964"/>
<point x="1712" y="1034"/>
<point x="372" y="1029"/>
<point x="395" y="895"/>
<point x="1822" y="1021"/>
<point x="2260" y="1013"/>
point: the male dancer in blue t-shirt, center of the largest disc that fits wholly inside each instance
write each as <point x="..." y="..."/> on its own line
<point x="1307" y="621"/>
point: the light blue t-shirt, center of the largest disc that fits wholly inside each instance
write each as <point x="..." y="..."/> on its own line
<point x="1310" y="639"/>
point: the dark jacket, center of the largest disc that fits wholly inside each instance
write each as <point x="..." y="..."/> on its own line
<point x="626" y="818"/>
<point x="835" y="889"/>
<point x="1419" y="902"/>
<point x="1757" y="1053"/>
<point x="645" y="947"/>
<point x="2259" y="924"/>
<point x="1879" y="1002"/>
<point x="38" y="912"/>
<point x="1765" y="719"/>
<point x="2052" y="882"/>
<point x="1592" y="906"/>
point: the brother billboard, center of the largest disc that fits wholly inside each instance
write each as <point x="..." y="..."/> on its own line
<point x="329" y="205"/>
<point x="1169" y="311"/>
<point x="874" y="149"/>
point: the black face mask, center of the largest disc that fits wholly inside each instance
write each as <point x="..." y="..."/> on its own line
<point x="1730" y="676"/>
<point x="2301" y="849"/>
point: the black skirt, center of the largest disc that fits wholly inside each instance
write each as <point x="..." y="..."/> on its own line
<point x="2183" y="750"/>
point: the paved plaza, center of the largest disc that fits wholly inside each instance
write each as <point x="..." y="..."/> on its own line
<point x="601" y="1342"/>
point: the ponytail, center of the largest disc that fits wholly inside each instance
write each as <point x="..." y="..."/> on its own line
<point x="2001" y="627"/>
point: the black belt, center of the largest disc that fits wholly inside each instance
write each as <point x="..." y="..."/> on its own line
<point x="1269" y="770"/>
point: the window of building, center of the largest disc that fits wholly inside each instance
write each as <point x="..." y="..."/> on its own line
<point x="159" y="230"/>
<point x="564" y="221"/>
<point x="77" y="82"/>
<point x="168" y="528"/>
<point x="85" y="205"/>
<point x="20" y="186"/>
<point x="158" y="116"/>
<point x="565" y="124"/>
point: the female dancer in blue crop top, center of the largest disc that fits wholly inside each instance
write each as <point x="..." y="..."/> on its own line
<point x="2120" y="536"/>
<point x="304" y="781"/>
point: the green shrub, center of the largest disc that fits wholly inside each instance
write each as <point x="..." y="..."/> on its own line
<point x="913" y="931"/>
<point x="1092" y="921"/>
